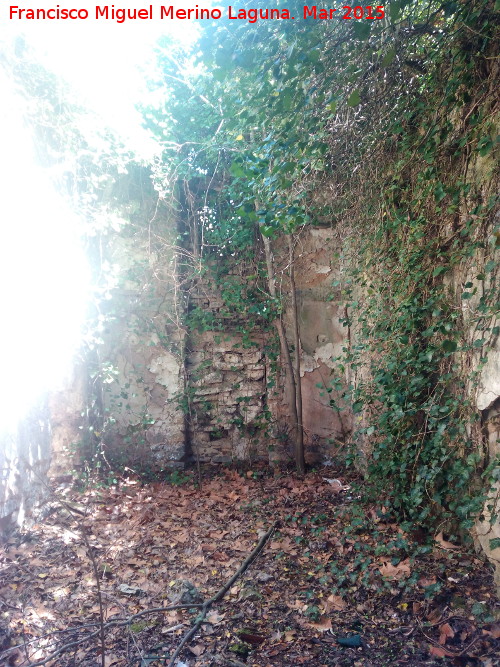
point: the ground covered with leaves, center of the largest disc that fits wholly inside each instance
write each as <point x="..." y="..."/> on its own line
<point x="336" y="582"/>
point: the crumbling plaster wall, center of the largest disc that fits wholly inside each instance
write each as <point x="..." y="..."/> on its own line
<point x="323" y="335"/>
<point x="144" y="349"/>
<point x="482" y="366"/>
<point x="238" y="405"/>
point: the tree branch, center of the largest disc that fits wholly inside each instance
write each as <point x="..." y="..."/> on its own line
<point x="220" y="594"/>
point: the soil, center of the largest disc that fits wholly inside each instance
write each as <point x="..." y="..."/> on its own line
<point x="337" y="582"/>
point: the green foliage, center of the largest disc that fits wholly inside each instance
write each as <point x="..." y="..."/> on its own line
<point x="422" y="219"/>
<point x="373" y="128"/>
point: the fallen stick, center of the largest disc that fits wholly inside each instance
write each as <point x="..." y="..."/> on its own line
<point x="115" y="623"/>
<point x="220" y="594"/>
<point x="204" y="607"/>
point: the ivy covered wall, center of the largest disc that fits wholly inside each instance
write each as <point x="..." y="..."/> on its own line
<point x="315" y="274"/>
<point x="386" y="135"/>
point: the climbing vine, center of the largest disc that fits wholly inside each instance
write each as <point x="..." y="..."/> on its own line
<point x="386" y="130"/>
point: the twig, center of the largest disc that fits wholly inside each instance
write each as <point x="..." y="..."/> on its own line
<point x="127" y="621"/>
<point x="451" y="653"/>
<point x="220" y="594"/>
<point x="90" y="554"/>
<point x="119" y="622"/>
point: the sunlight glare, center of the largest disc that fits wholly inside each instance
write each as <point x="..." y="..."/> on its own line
<point x="105" y="63"/>
<point x="43" y="271"/>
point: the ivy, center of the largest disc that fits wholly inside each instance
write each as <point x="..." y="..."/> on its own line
<point x="386" y="118"/>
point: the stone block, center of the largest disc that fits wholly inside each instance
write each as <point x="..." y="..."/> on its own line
<point x="232" y="359"/>
<point x="225" y="344"/>
<point x="221" y="445"/>
<point x="209" y="378"/>
<point x="252" y="356"/>
<point x="168" y="451"/>
<point x="206" y="391"/>
<point x="222" y="459"/>
<point x="255" y="367"/>
<point x="255" y="374"/>
<point x="247" y="389"/>
<point x="250" y="412"/>
<point x="196" y="358"/>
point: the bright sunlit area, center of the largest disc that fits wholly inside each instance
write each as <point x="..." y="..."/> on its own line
<point x="44" y="271"/>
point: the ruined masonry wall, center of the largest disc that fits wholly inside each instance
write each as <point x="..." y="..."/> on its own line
<point x="227" y="397"/>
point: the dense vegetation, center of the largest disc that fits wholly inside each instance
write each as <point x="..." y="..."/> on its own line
<point x="387" y="130"/>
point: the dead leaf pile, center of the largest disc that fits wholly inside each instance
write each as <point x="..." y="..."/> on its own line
<point x="302" y="602"/>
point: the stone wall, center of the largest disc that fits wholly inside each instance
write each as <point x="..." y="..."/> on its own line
<point x="140" y="362"/>
<point x="238" y="405"/>
<point x="227" y="389"/>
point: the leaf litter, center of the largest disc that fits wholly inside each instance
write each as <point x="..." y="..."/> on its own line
<point x="337" y="583"/>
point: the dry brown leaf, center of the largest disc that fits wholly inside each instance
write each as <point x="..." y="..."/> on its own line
<point x="443" y="543"/>
<point x="446" y="632"/>
<point x="285" y="545"/>
<point x="218" y="534"/>
<point x="215" y="618"/>
<point x="434" y="616"/>
<point x="396" y="572"/>
<point x="423" y="582"/>
<point x="494" y="631"/>
<point x="334" y="603"/>
<point x="439" y="652"/>
<point x="275" y="637"/>
<point x="195" y="561"/>
<point x="297" y="604"/>
<point x="322" y="625"/>
<point x="197" y="650"/>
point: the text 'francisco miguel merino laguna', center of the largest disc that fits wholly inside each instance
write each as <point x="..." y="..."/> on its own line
<point x="120" y="15"/>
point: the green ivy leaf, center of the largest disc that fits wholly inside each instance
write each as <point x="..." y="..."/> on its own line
<point x="394" y="9"/>
<point x="495" y="543"/>
<point x="354" y="98"/>
<point x="388" y="58"/>
<point x="450" y="345"/>
<point x="439" y="192"/>
<point x="236" y="170"/>
<point x="484" y="146"/>
<point x="266" y="231"/>
<point x="362" y="29"/>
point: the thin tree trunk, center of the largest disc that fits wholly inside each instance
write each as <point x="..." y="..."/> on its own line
<point x="299" y="436"/>
<point x="287" y="359"/>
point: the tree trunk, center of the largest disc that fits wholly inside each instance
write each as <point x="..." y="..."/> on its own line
<point x="288" y="365"/>
<point x="299" y="434"/>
